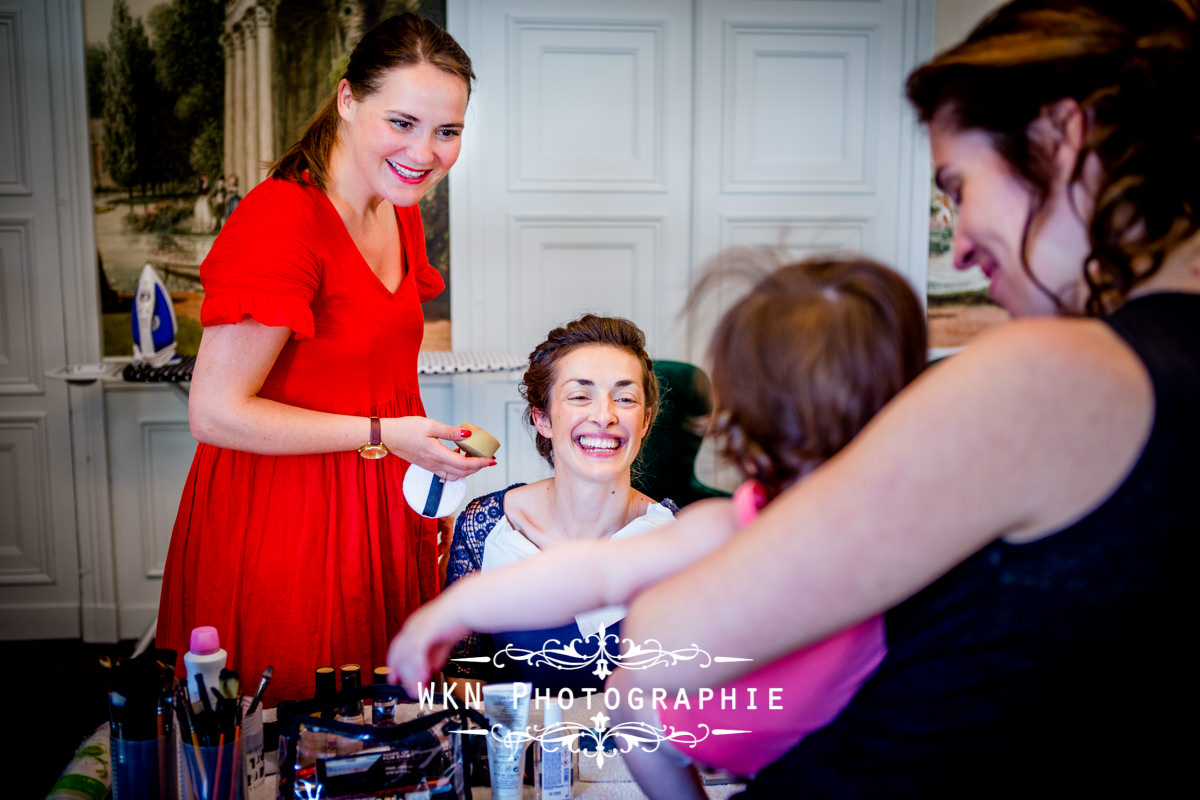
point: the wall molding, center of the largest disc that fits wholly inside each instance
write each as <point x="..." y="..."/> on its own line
<point x="27" y="549"/>
<point x="549" y="136"/>
<point x="160" y="487"/>
<point x="20" y="353"/>
<point x="598" y="263"/>
<point x="81" y="302"/>
<point x="797" y="236"/>
<point x="37" y="620"/>
<point x="831" y="53"/>
<point x="14" y="137"/>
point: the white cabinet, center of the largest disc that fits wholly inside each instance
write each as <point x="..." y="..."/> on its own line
<point x="150" y="452"/>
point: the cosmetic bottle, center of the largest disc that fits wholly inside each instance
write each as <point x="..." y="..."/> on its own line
<point x="325" y="681"/>
<point x="88" y="775"/>
<point x="384" y="711"/>
<point x="206" y="658"/>
<point x="351" y="679"/>
<point x="352" y="712"/>
<point x="552" y="759"/>
<point x="317" y="744"/>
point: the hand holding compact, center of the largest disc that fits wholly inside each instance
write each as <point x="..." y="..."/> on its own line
<point x="416" y="440"/>
<point x="436" y="493"/>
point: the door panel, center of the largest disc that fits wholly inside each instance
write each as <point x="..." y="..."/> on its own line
<point x="39" y="564"/>
<point x="816" y="150"/>
<point x="574" y="187"/>
<point x="612" y="148"/>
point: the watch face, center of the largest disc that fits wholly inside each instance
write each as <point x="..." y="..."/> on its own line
<point x="372" y="451"/>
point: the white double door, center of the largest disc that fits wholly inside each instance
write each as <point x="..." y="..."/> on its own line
<point x="612" y="147"/>
<point x="55" y="565"/>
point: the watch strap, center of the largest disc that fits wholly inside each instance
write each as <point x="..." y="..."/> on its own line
<point x="374" y="448"/>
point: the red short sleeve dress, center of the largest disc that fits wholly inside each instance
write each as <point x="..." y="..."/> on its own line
<point x="306" y="560"/>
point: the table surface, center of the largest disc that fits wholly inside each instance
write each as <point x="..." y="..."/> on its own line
<point x="614" y="783"/>
<point x="626" y="790"/>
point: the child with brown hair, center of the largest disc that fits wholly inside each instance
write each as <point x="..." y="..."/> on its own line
<point x="799" y="365"/>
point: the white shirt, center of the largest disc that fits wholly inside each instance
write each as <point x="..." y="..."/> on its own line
<point x="505" y="545"/>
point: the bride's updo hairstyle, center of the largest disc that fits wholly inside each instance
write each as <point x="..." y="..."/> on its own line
<point x="588" y="329"/>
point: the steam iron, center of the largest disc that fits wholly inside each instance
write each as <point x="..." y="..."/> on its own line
<point x="154" y="322"/>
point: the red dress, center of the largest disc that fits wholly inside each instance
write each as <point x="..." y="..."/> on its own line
<point x="306" y="560"/>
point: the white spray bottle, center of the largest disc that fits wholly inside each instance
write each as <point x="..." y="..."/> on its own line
<point x="206" y="658"/>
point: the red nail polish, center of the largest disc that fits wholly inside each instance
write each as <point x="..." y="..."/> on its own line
<point x="465" y="432"/>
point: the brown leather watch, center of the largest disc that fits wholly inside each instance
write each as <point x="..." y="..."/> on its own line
<point x="374" y="448"/>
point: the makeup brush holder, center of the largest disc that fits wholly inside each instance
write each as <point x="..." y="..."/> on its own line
<point x="212" y="773"/>
<point x="254" y="766"/>
<point x="143" y="769"/>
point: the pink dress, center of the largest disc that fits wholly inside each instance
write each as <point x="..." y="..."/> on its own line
<point x="813" y="685"/>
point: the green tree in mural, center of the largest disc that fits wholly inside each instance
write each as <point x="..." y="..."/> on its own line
<point x="95" y="58"/>
<point x="190" y="67"/>
<point x="129" y="93"/>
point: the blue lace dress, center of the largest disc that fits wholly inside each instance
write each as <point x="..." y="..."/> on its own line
<point x="471" y="530"/>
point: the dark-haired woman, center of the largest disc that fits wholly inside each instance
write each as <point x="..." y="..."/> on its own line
<point x="293" y="537"/>
<point x="1029" y="506"/>
<point x="591" y="398"/>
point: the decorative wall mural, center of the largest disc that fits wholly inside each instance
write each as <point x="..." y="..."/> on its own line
<point x="187" y="100"/>
<point x="958" y="303"/>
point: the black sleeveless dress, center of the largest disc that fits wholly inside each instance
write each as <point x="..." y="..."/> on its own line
<point x="1054" y="668"/>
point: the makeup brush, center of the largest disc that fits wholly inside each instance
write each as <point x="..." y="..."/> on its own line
<point x="231" y="688"/>
<point x="202" y="690"/>
<point x="187" y="727"/>
<point x="231" y="684"/>
<point x="262" y="687"/>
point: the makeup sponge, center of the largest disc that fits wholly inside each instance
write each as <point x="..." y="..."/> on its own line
<point x="480" y="443"/>
<point x="429" y="495"/>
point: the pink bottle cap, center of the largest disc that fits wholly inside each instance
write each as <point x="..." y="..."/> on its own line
<point x="205" y="640"/>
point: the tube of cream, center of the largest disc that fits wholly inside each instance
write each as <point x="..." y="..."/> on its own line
<point x="507" y="708"/>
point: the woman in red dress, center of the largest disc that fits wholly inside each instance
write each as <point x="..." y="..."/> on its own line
<point x="300" y="550"/>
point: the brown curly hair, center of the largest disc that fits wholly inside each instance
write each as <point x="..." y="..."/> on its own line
<point x="1133" y="69"/>
<point x="804" y="359"/>
<point x="404" y="40"/>
<point x="588" y="329"/>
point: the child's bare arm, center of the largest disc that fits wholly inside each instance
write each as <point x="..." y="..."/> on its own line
<point x="552" y="588"/>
